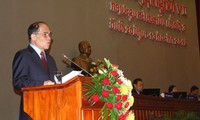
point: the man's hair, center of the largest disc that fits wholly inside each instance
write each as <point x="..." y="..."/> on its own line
<point x="171" y="87"/>
<point x="193" y="88"/>
<point x="137" y="80"/>
<point x="34" y="28"/>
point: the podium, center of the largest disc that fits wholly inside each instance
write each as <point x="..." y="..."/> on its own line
<point x="60" y="102"/>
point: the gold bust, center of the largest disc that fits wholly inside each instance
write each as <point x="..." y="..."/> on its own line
<point x="84" y="60"/>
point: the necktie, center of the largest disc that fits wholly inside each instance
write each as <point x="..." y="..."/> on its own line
<point x="44" y="60"/>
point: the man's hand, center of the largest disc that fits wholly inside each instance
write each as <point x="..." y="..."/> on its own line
<point x="48" y="82"/>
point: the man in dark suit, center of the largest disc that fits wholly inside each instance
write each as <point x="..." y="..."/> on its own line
<point x="32" y="66"/>
<point x="137" y="86"/>
<point x="194" y="93"/>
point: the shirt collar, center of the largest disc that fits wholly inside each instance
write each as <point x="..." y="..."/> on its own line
<point x="37" y="50"/>
<point x="138" y="92"/>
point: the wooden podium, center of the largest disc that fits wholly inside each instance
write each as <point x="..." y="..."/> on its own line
<point x="59" y="102"/>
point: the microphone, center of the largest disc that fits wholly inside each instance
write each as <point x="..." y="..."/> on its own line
<point x="77" y="65"/>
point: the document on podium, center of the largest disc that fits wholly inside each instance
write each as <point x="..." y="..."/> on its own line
<point x="68" y="76"/>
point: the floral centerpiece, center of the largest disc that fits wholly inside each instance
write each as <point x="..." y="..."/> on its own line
<point x="94" y="66"/>
<point x="114" y="90"/>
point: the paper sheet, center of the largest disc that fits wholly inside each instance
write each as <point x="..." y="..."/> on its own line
<point x="69" y="76"/>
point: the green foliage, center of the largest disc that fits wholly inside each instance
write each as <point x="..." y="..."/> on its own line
<point x="183" y="115"/>
<point x="106" y="86"/>
<point x="108" y="64"/>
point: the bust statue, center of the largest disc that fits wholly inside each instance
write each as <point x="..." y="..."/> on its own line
<point x="84" y="60"/>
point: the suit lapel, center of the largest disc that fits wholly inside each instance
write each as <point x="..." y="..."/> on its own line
<point x="37" y="59"/>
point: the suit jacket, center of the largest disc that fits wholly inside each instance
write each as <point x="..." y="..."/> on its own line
<point x="135" y="92"/>
<point x="29" y="70"/>
<point x="192" y="97"/>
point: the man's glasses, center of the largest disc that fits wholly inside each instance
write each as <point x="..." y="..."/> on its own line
<point x="45" y="34"/>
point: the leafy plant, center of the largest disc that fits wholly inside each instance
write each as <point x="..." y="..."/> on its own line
<point x="111" y="87"/>
<point x="183" y="115"/>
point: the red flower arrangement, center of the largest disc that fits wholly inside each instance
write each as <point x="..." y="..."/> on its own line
<point x="111" y="87"/>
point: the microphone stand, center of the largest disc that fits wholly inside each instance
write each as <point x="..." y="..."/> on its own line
<point x="77" y="65"/>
